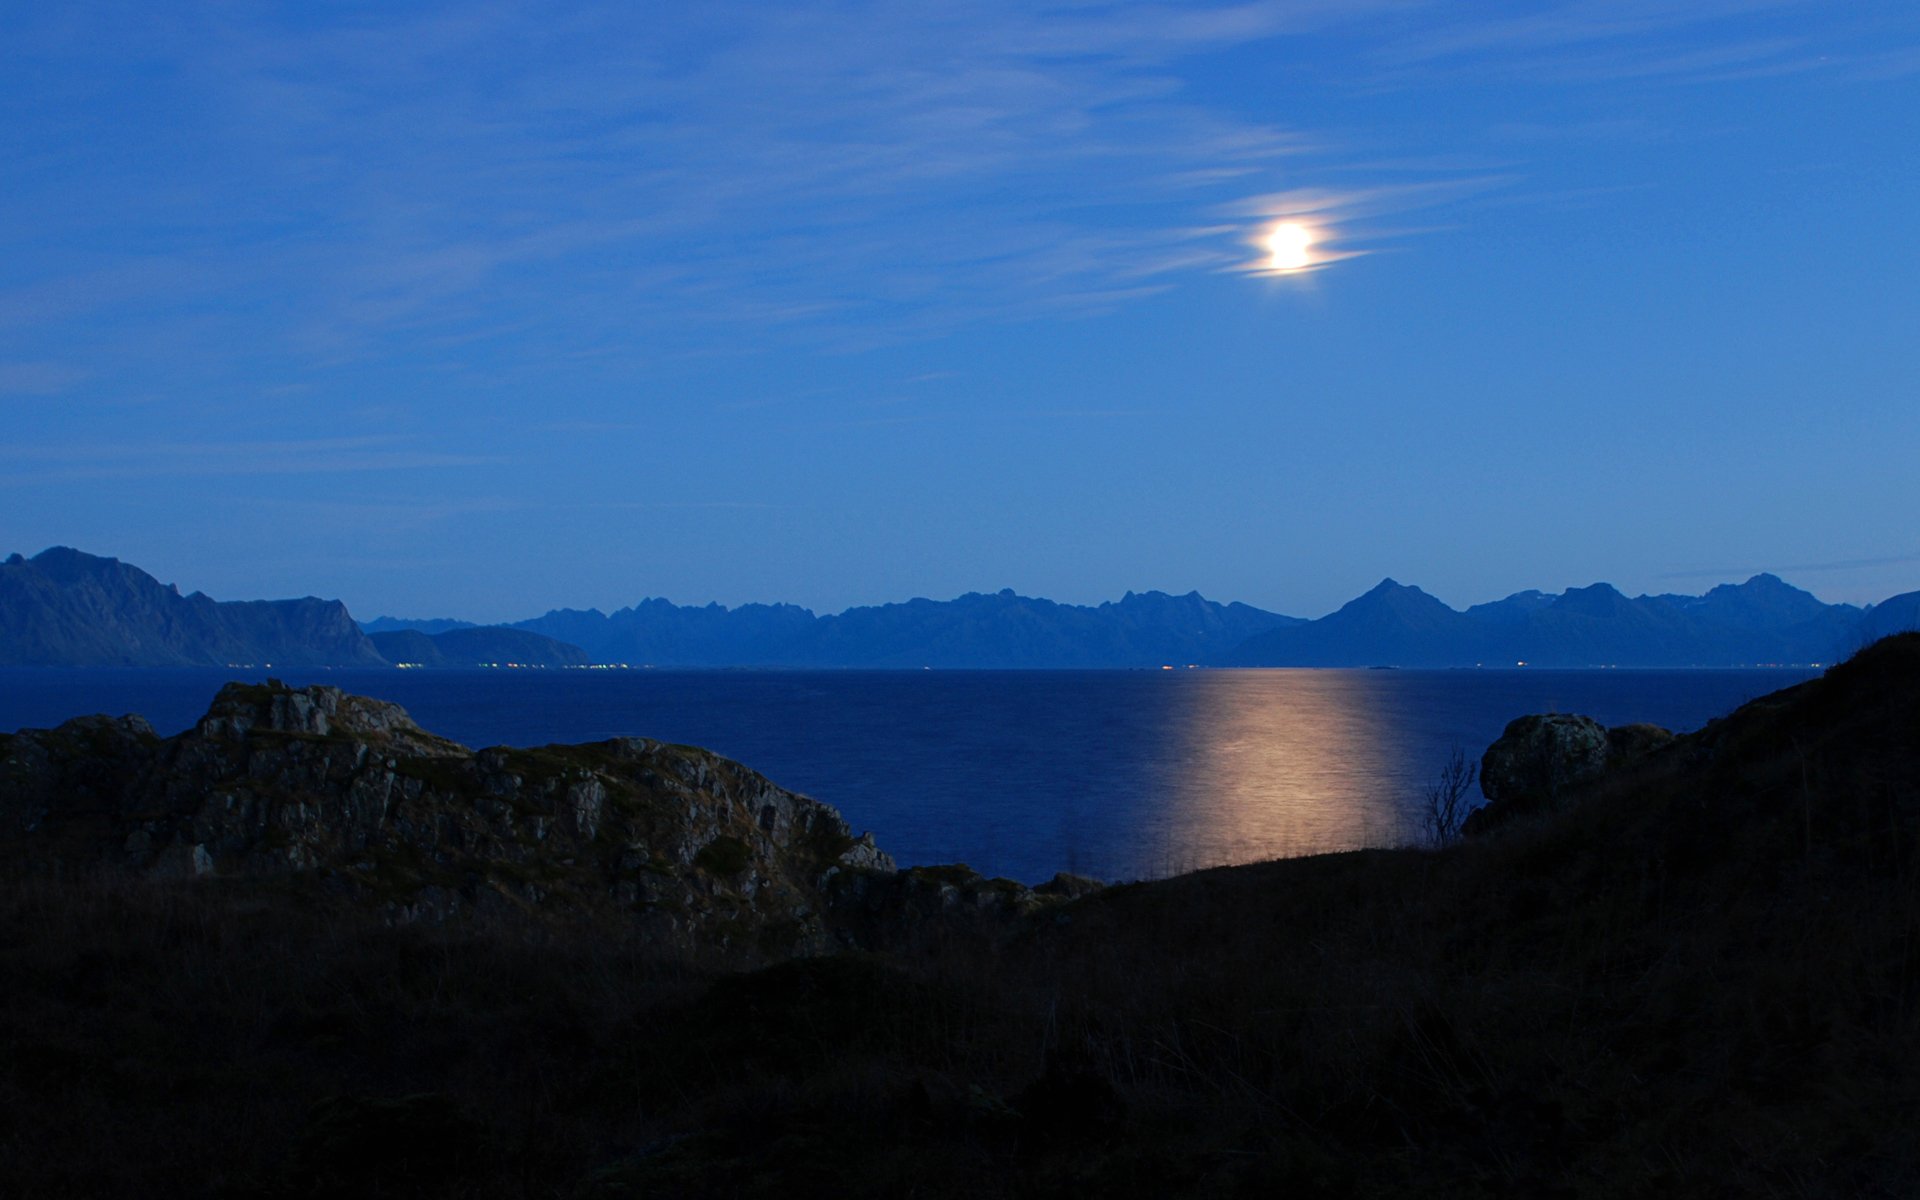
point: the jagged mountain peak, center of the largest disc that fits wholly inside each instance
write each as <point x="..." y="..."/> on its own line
<point x="1597" y="588"/>
<point x="1594" y="600"/>
<point x="1530" y="599"/>
<point x="64" y="563"/>
<point x="54" y="555"/>
<point x="1394" y="595"/>
<point x="1763" y="586"/>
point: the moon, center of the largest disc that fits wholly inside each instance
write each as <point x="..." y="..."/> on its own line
<point x="1290" y="247"/>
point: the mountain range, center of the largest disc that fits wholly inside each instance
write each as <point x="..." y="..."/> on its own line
<point x="67" y="608"/>
<point x="1762" y="621"/>
<point x="998" y="630"/>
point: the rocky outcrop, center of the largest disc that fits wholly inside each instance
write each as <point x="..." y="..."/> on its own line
<point x="685" y="847"/>
<point x="1540" y="759"/>
<point x="693" y="848"/>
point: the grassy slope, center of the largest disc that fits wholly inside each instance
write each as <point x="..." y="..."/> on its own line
<point x="1704" y="980"/>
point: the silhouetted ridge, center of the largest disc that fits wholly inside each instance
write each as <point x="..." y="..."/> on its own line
<point x="477" y="646"/>
<point x="430" y="625"/>
<point x="1762" y="621"/>
<point x="1392" y="624"/>
<point x="979" y="629"/>
<point x="66" y="608"/>
<point x="1761" y="602"/>
<point x="1897" y="614"/>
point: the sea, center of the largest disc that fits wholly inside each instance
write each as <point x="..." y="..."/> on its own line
<point x="1115" y="774"/>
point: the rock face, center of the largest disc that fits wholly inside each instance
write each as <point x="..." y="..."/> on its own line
<point x="696" y="849"/>
<point x="1539" y="759"/>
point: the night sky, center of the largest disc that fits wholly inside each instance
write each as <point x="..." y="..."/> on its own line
<point x="476" y="310"/>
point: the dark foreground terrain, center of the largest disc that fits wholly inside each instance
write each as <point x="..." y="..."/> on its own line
<point x="1698" y="975"/>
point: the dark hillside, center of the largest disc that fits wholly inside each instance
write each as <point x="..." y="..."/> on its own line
<point x="1700" y="979"/>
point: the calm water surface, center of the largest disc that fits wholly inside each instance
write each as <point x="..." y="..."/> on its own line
<point x="1120" y="774"/>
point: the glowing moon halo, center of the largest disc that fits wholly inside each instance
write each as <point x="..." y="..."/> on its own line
<point x="1290" y="247"/>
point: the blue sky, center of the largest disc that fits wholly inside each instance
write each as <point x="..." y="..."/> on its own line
<point x="482" y="309"/>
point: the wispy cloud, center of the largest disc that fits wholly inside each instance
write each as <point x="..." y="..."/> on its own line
<point x="1349" y="222"/>
<point x="1845" y="564"/>
<point x="670" y="505"/>
<point x="38" y="378"/>
<point x="136" y="460"/>
<point x="1682" y="41"/>
<point x="612" y="182"/>
<point x="109" y="451"/>
<point x="581" y="180"/>
<point x="386" y="514"/>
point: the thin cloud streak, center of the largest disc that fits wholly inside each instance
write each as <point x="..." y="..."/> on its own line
<point x="1847" y="564"/>
<point x="1608" y="41"/>
<point x="1346" y="220"/>
<point x="859" y="167"/>
<point x="612" y="184"/>
<point x="95" y="451"/>
<point x="38" y="378"/>
<point x="160" y="460"/>
<point x="334" y="465"/>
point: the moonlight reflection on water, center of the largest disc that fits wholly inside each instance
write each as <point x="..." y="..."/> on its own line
<point x="1269" y="764"/>
<point x="1119" y="774"/>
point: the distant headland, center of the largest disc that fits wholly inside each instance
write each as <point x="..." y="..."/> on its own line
<point x="64" y="607"/>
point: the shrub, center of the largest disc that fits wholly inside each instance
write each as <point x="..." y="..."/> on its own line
<point x="1447" y="800"/>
